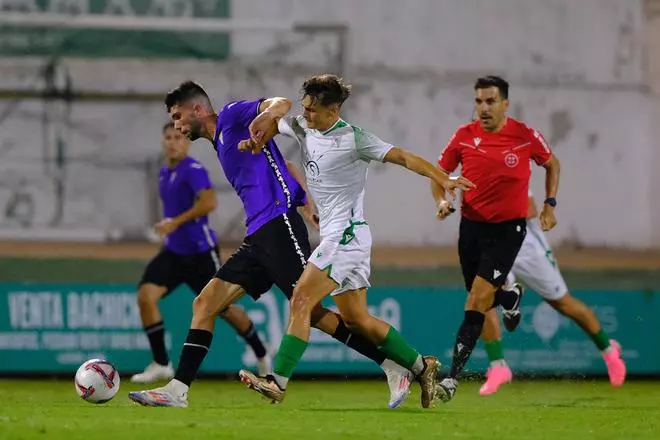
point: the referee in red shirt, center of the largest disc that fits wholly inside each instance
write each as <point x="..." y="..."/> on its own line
<point x="494" y="152"/>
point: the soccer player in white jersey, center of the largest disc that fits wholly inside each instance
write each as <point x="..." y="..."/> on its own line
<point x="537" y="268"/>
<point x="336" y="156"/>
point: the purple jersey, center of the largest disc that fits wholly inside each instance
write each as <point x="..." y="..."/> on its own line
<point x="178" y="188"/>
<point x="262" y="181"/>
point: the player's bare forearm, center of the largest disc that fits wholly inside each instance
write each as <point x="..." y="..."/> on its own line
<point x="416" y="164"/>
<point x="205" y="204"/>
<point x="438" y="192"/>
<point x="275" y="107"/>
<point x="547" y="217"/>
<point x="552" y="171"/>
<point x="264" y="127"/>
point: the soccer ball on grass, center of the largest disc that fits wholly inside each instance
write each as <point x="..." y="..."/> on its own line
<point x="97" y="381"/>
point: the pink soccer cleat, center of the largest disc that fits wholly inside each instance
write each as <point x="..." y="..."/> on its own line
<point x="616" y="368"/>
<point x="496" y="376"/>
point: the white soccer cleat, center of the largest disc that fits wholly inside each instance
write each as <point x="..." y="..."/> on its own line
<point x="398" y="379"/>
<point x="511" y="318"/>
<point x="446" y="389"/>
<point x="154" y="372"/>
<point x="264" y="366"/>
<point x="174" y="394"/>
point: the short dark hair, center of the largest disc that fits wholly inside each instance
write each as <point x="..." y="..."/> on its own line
<point x="167" y="126"/>
<point x="186" y="91"/>
<point x="486" y="82"/>
<point x="327" y="89"/>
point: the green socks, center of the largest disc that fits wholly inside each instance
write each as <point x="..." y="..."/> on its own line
<point x="601" y="340"/>
<point x="397" y="349"/>
<point x="494" y="350"/>
<point x="290" y="352"/>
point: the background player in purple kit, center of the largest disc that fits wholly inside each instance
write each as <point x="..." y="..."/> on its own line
<point x="276" y="246"/>
<point x="190" y="254"/>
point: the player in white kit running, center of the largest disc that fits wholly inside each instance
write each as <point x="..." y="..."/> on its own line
<point x="336" y="156"/>
<point x="537" y="268"/>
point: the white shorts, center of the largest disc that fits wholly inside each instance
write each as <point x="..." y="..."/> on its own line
<point x="347" y="257"/>
<point x="536" y="265"/>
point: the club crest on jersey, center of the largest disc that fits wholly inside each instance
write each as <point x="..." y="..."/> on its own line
<point x="477" y="141"/>
<point x="313" y="170"/>
<point x="511" y="160"/>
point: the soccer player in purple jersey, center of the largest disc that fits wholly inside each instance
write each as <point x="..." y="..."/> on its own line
<point x="276" y="246"/>
<point x="190" y="254"/>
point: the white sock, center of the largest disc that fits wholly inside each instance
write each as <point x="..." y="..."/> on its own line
<point x="281" y="381"/>
<point x="388" y="364"/>
<point x="418" y="366"/>
<point x="498" y="363"/>
<point x="178" y="387"/>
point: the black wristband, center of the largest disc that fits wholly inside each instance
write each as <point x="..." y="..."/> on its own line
<point x="551" y="201"/>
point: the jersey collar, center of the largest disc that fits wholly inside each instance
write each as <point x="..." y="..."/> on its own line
<point x="339" y="124"/>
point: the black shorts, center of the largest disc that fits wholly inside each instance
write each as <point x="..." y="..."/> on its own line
<point x="275" y="254"/>
<point x="171" y="270"/>
<point x="489" y="249"/>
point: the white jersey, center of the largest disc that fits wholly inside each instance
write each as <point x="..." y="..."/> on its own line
<point x="336" y="163"/>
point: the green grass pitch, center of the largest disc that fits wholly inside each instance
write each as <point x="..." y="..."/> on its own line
<point x="582" y="410"/>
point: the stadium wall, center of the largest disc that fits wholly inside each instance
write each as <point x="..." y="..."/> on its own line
<point x="577" y="71"/>
<point x="52" y="328"/>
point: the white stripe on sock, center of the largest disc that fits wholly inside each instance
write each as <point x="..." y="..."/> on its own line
<point x="195" y="345"/>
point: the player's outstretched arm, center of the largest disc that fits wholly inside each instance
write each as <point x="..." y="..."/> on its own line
<point x="204" y="205"/>
<point x="552" y="170"/>
<point x="422" y="167"/>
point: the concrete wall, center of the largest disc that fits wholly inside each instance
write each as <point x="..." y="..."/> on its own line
<point x="579" y="74"/>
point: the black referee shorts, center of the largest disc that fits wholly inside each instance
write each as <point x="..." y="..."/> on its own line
<point x="489" y="249"/>
<point x="170" y="270"/>
<point x="275" y="254"/>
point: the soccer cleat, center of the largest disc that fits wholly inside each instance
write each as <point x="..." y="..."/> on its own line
<point x="266" y="386"/>
<point x="168" y="395"/>
<point x="495" y="377"/>
<point x="511" y="317"/>
<point x="154" y="372"/>
<point x="427" y="380"/>
<point x="446" y="389"/>
<point x="264" y="366"/>
<point x="398" y="379"/>
<point x="616" y="368"/>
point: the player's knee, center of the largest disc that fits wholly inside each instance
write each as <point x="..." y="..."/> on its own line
<point x="482" y="295"/>
<point x="147" y="298"/>
<point x="301" y="303"/>
<point x="356" y="322"/>
<point x="204" y="305"/>
<point x="479" y="300"/>
<point x="199" y="304"/>
<point x="566" y="305"/>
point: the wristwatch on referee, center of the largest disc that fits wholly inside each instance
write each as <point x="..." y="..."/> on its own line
<point x="550" y="201"/>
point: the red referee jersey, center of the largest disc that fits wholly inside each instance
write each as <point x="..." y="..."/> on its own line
<point x="499" y="165"/>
